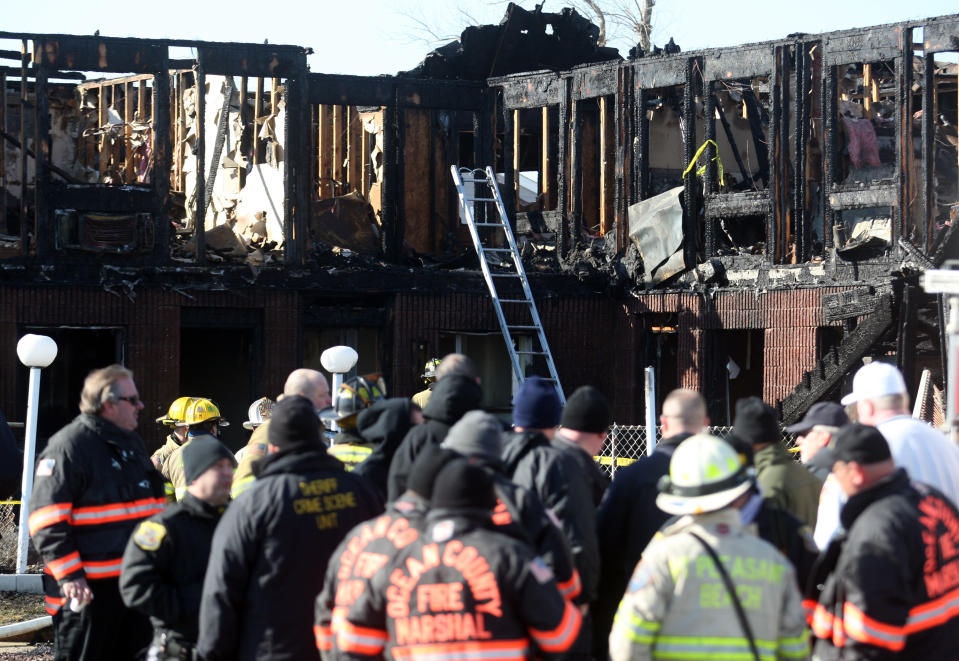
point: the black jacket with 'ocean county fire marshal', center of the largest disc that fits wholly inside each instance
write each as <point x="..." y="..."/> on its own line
<point x="461" y="591"/>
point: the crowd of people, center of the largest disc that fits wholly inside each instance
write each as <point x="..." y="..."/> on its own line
<point x="426" y="528"/>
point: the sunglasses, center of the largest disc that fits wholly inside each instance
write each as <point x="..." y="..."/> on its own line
<point x="130" y="399"/>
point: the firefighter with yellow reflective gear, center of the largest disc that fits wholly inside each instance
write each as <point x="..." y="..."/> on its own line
<point x="202" y="417"/>
<point x="429" y="378"/>
<point x="175" y="439"/>
<point x="353" y="396"/>
<point x="256" y="448"/>
<point x="677" y="604"/>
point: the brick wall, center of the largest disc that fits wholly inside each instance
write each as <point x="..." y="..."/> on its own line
<point x="152" y="325"/>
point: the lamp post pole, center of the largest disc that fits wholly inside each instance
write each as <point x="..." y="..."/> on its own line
<point x="338" y="361"/>
<point x="36" y="352"/>
<point x="26" y="485"/>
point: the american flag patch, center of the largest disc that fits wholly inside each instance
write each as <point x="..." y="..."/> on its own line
<point x="539" y="570"/>
<point x="45" y="467"/>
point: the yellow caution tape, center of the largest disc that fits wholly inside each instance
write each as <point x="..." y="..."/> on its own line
<point x="9" y="502"/>
<point x="608" y="461"/>
<point x="702" y="169"/>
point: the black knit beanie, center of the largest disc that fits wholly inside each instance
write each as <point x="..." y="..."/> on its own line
<point x="200" y="453"/>
<point x="587" y="410"/>
<point x="427" y="465"/>
<point x="755" y="421"/>
<point x="463" y="485"/>
<point x="294" y="423"/>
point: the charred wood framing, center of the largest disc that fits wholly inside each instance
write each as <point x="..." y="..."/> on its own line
<point x="691" y="89"/>
<point x="904" y="147"/>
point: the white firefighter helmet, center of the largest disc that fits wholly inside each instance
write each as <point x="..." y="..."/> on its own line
<point x="259" y="412"/>
<point x="705" y="475"/>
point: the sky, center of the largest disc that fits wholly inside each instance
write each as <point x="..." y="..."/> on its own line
<point x="371" y="37"/>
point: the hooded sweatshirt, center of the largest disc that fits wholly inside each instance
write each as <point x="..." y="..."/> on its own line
<point x="453" y="396"/>
<point x="385" y="423"/>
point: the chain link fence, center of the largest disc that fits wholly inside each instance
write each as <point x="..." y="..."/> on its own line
<point x="627" y="443"/>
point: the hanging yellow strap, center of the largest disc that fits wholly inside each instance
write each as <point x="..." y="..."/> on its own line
<point x="702" y="169"/>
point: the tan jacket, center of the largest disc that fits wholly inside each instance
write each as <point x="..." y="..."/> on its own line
<point x="255" y="448"/>
<point x="159" y="457"/>
<point x="422" y="398"/>
<point x="159" y="460"/>
<point x="676" y="605"/>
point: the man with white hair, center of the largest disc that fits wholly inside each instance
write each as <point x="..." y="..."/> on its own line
<point x="881" y="400"/>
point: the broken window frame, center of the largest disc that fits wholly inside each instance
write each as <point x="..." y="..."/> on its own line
<point x="867" y="45"/>
<point x="760" y="60"/>
<point x="939" y="36"/>
<point x="397" y="95"/>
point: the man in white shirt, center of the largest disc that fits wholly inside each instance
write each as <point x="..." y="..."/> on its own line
<point x="879" y="393"/>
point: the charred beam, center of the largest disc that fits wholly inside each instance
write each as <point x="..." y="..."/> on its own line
<point x="849" y="304"/>
<point x="924" y="226"/>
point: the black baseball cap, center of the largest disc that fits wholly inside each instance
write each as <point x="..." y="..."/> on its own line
<point x="859" y="443"/>
<point x="826" y="414"/>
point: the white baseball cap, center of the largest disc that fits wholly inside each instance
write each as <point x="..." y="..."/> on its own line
<point x="875" y="379"/>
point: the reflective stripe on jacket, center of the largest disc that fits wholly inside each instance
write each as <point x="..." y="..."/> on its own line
<point x="94" y="483"/>
<point x="891" y="584"/>
<point x="461" y="591"/>
<point x="676" y="605"/>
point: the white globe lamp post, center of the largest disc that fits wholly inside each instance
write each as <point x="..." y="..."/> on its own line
<point x="36" y="352"/>
<point x="338" y="361"/>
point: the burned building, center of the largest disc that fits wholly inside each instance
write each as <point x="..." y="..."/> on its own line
<point x="748" y="220"/>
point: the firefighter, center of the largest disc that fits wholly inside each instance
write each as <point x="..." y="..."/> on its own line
<point x="175" y="415"/>
<point x="258" y="414"/>
<point x="461" y="590"/>
<point x="202" y="417"/>
<point x="94" y="483"/>
<point x="349" y="574"/>
<point x="889" y="584"/>
<point x="272" y="546"/>
<point x="677" y="603"/>
<point x="353" y="396"/>
<point x="429" y="378"/>
<point x="166" y="558"/>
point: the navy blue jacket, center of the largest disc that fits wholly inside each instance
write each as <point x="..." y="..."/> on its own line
<point x="627" y="519"/>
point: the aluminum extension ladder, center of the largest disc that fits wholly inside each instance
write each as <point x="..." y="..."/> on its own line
<point x="485" y="191"/>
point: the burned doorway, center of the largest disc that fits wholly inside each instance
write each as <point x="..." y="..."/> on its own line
<point x="662" y="348"/>
<point x="80" y="350"/>
<point x="742" y="371"/>
<point x="220" y="355"/>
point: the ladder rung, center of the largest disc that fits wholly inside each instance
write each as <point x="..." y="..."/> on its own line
<point x="480" y="199"/>
<point x="504" y="275"/>
<point x="497" y="250"/>
<point x="515" y="300"/>
<point x="522" y="327"/>
<point x="531" y="353"/>
<point x="473" y="180"/>
<point x="490" y="224"/>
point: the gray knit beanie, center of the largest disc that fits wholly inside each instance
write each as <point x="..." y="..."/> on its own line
<point x="477" y="434"/>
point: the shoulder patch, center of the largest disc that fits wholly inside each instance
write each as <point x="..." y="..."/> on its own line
<point x="45" y="467"/>
<point x="149" y="535"/>
<point x="540" y="570"/>
<point x="640" y="578"/>
<point x="443" y="530"/>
